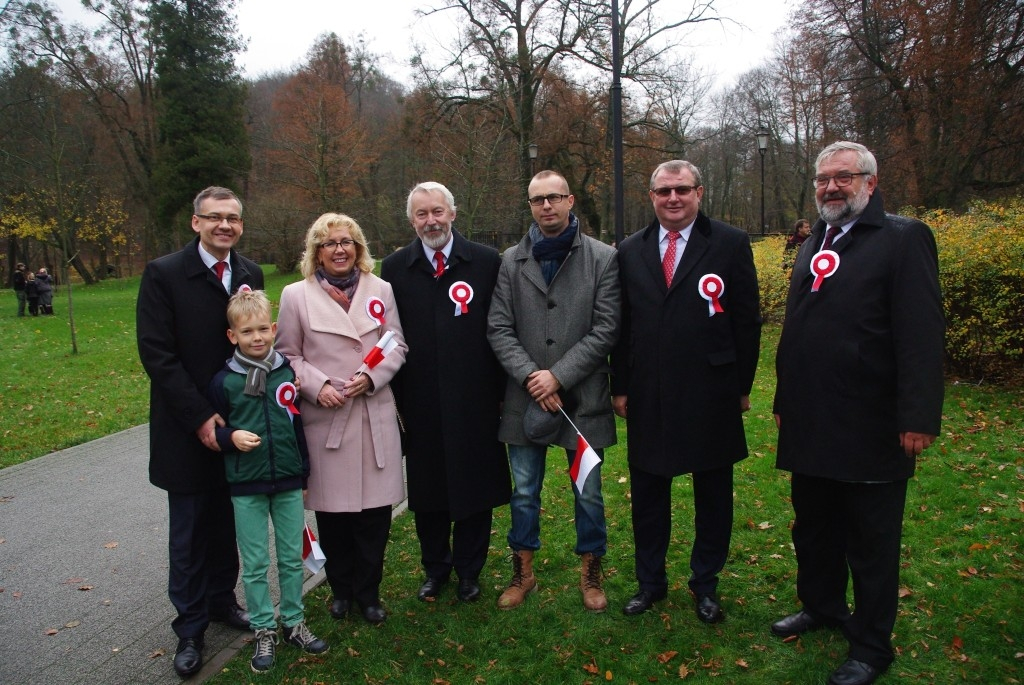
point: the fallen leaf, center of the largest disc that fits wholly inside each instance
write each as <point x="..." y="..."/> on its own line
<point x="958" y="643"/>
<point x="976" y="546"/>
<point x="85" y="588"/>
<point x="16" y="595"/>
<point x="591" y="668"/>
<point x="905" y="592"/>
<point x="683" y="671"/>
<point x="110" y="545"/>
<point x="72" y="624"/>
<point x="764" y="525"/>
<point x="666" y="657"/>
<point x="51" y="631"/>
<point x="607" y="675"/>
<point x="742" y="663"/>
<point x="157" y="653"/>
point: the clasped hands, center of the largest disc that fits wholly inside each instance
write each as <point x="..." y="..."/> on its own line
<point x="329" y="396"/>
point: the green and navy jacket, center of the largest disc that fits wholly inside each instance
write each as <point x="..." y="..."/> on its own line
<point x="281" y="462"/>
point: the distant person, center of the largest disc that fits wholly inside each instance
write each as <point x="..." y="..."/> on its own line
<point x="682" y="376"/>
<point x="32" y="293"/>
<point x="801" y="229"/>
<point x="267" y="466"/>
<point x="44" y="286"/>
<point x="457" y="468"/>
<point x="181" y="316"/>
<point x="858" y="398"/>
<point x="18" y="283"/>
<point x="328" y="323"/>
<point x="553" y="321"/>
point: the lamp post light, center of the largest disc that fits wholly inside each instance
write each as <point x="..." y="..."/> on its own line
<point x="532" y="150"/>
<point x="762" y="147"/>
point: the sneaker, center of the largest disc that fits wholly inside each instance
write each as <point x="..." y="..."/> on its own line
<point x="300" y="636"/>
<point x="263" y="655"/>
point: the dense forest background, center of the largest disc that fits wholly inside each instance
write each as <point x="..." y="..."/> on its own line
<point x="107" y="133"/>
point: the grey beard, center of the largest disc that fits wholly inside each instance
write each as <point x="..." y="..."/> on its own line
<point x="436" y="243"/>
<point x="851" y="208"/>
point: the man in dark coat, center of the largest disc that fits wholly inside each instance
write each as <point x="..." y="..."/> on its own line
<point x="859" y="396"/>
<point x="683" y="370"/>
<point x="449" y="392"/>
<point x="181" y="319"/>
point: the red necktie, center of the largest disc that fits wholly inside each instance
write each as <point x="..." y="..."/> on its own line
<point x="219" y="268"/>
<point x="668" y="263"/>
<point x="439" y="258"/>
<point x="833" y="231"/>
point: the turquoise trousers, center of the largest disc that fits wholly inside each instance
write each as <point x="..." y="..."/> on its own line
<point x="251" y="515"/>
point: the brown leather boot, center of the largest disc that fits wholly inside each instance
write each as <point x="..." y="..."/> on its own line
<point x="590" y="584"/>
<point x="523" y="581"/>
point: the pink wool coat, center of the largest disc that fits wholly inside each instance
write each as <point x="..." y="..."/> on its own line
<point x="355" y="451"/>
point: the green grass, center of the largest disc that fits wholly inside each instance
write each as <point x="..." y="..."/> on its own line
<point x="962" y="579"/>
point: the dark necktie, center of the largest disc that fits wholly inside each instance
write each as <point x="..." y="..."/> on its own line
<point x="668" y="263"/>
<point x="439" y="258"/>
<point x="833" y="231"/>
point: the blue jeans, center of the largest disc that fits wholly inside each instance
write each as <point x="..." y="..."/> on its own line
<point x="527" y="462"/>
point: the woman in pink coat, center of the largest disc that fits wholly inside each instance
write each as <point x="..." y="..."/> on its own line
<point x="327" y="325"/>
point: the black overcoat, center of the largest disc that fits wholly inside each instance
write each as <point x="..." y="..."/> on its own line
<point x="449" y="391"/>
<point x="181" y="327"/>
<point x="860" y="360"/>
<point x="683" y="371"/>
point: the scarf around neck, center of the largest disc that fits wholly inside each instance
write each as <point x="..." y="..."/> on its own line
<point x="341" y="290"/>
<point x="551" y="252"/>
<point x="256" y="371"/>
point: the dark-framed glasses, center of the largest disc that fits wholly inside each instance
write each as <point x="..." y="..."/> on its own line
<point x="681" y="191"/>
<point x="232" y="219"/>
<point x="332" y="244"/>
<point x="841" y="180"/>
<point x="552" y="199"/>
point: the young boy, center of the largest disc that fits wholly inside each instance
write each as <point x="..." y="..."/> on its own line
<point x="267" y="466"/>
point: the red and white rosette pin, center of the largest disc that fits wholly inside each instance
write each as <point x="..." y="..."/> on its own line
<point x="244" y="288"/>
<point x="376" y="310"/>
<point x="286" y="394"/>
<point x="823" y="265"/>
<point x="711" y="287"/>
<point x="461" y="294"/>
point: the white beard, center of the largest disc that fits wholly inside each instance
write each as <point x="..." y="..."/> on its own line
<point x="853" y="207"/>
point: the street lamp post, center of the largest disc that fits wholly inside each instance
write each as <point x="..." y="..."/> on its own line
<point x="762" y="147"/>
<point x="532" y="150"/>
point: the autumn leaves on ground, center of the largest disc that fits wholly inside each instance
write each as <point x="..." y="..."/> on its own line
<point x="961" y="581"/>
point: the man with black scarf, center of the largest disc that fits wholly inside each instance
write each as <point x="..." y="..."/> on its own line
<point x="553" y="321"/>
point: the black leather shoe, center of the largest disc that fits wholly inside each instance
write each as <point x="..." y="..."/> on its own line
<point x="641" y="602"/>
<point x="709" y="609"/>
<point x="231" y="615"/>
<point x="375" y="614"/>
<point x="431" y="588"/>
<point x="339" y="608"/>
<point x="469" y="590"/>
<point x="854" y="672"/>
<point x="796" y="624"/>
<point x="188" y="658"/>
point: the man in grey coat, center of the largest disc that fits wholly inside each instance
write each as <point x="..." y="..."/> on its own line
<point x="553" y="321"/>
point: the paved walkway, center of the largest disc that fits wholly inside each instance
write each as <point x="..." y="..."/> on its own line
<point x="83" y="571"/>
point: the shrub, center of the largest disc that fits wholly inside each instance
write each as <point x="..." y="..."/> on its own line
<point x="981" y="269"/>
<point x="772" y="278"/>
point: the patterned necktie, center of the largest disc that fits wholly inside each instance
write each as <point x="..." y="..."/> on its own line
<point x="439" y="258"/>
<point x="833" y="231"/>
<point x="668" y="263"/>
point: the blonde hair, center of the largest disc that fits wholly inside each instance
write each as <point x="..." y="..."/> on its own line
<point x="246" y="304"/>
<point x="318" y="233"/>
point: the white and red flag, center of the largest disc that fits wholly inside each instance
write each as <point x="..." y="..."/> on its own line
<point x="313" y="557"/>
<point x="384" y="346"/>
<point x="585" y="461"/>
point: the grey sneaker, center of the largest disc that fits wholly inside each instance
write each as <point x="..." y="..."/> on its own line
<point x="263" y="656"/>
<point x="300" y="636"/>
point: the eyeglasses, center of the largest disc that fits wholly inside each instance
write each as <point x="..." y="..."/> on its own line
<point x="681" y="191"/>
<point x="553" y="199"/>
<point x="232" y="219"/>
<point x="332" y="244"/>
<point x="842" y="180"/>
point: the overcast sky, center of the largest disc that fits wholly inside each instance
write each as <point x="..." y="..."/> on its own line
<point x="280" y="32"/>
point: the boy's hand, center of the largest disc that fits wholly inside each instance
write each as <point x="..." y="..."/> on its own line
<point x="245" y="441"/>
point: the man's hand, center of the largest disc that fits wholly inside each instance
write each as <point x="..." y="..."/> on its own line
<point x="745" y="403"/>
<point x="542" y="384"/>
<point x="619" y="405"/>
<point x="245" y="441"/>
<point x="206" y="432"/>
<point x="915" y="443"/>
<point x="778" y="421"/>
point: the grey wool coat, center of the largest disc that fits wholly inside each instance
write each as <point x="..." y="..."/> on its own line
<point x="568" y="327"/>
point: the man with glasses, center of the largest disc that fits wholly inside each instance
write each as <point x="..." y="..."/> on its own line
<point x="448" y="392"/>
<point x="553" y="321"/>
<point x="683" y="371"/>
<point x="181" y="317"/>
<point x="859" y="396"/>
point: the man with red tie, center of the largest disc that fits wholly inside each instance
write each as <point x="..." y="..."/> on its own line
<point x="682" y="374"/>
<point x="859" y="396"/>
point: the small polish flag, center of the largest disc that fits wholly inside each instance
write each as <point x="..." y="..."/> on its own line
<point x="381" y="350"/>
<point x="585" y="461"/>
<point x="313" y="557"/>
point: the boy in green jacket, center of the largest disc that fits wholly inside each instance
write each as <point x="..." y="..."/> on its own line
<point x="267" y="466"/>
